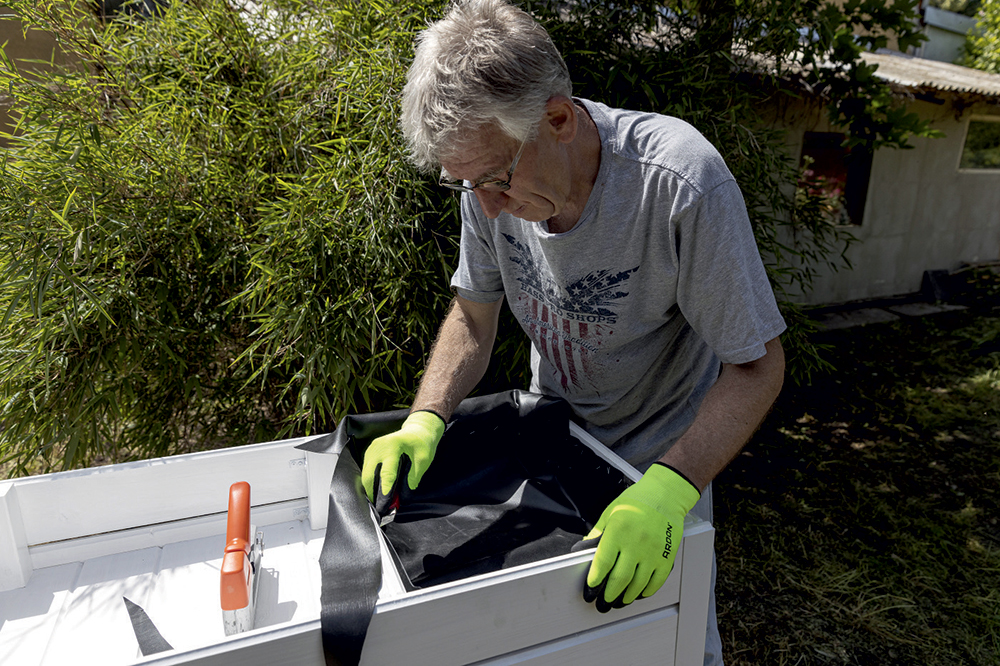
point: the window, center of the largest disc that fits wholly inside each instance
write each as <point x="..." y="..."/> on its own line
<point x="836" y="172"/>
<point x="982" y="144"/>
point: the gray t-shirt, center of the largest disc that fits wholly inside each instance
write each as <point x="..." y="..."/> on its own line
<point x="630" y="312"/>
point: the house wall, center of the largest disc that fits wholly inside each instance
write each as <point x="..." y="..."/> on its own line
<point x="36" y="45"/>
<point x="946" y="33"/>
<point x="921" y="212"/>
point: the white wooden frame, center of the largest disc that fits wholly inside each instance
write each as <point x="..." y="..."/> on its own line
<point x="532" y="614"/>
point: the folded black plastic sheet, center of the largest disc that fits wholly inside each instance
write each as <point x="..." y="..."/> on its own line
<point x="509" y="485"/>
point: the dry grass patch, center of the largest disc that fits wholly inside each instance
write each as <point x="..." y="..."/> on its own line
<point x="860" y="524"/>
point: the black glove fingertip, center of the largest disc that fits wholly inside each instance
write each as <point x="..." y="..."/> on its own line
<point x="377" y="484"/>
<point x="606" y="606"/>
<point x="592" y="594"/>
<point x="589" y="593"/>
<point x="597" y="595"/>
<point x="384" y="503"/>
<point x="402" y="484"/>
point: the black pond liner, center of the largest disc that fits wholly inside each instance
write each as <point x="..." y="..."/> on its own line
<point x="508" y="486"/>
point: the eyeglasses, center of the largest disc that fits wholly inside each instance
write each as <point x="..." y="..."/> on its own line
<point x="486" y="185"/>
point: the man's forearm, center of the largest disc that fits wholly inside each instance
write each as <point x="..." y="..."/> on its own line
<point x="459" y="357"/>
<point x="731" y="412"/>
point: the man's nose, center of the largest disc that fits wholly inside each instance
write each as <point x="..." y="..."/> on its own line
<point x="492" y="203"/>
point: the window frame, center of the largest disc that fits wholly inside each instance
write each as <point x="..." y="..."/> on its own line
<point x="858" y="176"/>
<point x="965" y="137"/>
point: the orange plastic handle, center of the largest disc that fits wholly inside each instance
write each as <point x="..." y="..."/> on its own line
<point x="235" y="579"/>
<point x="238" y="523"/>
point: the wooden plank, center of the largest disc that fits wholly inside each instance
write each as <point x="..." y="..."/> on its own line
<point x="696" y="578"/>
<point x="638" y="641"/>
<point x="486" y="616"/>
<point x="289" y="645"/>
<point x="15" y="563"/>
<point x="117" y="497"/>
<point x="99" y="545"/>
<point x="28" y="615"/>
<point x="177" y="585"/>
<point x="646" y="638"/>
<point x="471" y="621"/>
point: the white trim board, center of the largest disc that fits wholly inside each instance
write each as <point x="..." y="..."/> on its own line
<point x="152" y="492"/>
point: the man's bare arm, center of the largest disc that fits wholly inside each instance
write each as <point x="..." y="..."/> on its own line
<point x="459" y="357"/>
<point x="731" y="412"/>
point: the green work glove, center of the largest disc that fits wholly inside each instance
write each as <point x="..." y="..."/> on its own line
<point x="415" y="441"/>
<point x="640" y="533"/>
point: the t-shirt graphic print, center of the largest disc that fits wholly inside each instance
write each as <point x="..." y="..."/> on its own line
<point x="567" y="324"/>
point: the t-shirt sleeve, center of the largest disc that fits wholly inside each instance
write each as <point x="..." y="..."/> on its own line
<point x="477" y="277"/>
<point x="722" y="287"/>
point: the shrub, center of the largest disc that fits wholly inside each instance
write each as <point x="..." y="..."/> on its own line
<point x="982" y="45"/>
<point x="208" y="232"/>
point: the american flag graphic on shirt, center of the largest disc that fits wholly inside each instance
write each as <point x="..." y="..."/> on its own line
<point x="567" y="324"/>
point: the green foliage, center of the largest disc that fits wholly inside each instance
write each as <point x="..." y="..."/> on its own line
<point x="208" y="231"/>
<point x="717" y="64"/>
<point x="209" y="234"/>
<point x="982" y="45"/>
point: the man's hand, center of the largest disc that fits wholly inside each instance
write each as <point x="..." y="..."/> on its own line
<point x="639" y="532"/>
<point x="417" y="439"/>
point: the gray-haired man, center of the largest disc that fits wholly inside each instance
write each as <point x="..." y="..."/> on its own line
<point x="622" y="245"/>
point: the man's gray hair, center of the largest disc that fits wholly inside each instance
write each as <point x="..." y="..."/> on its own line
<point x="486" y="62"/>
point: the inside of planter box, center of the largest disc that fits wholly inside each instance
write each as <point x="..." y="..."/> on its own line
<point x="509" y="486"/>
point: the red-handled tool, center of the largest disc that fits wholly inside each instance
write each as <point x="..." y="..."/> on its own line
<point x="240" y="563"/>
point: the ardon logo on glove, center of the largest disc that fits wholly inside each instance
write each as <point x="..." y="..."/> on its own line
<point x="669" y="547"/>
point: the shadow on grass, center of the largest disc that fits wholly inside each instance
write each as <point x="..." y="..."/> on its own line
<point x="860" y="525"/>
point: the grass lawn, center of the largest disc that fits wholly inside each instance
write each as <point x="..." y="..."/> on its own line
<point x="860" y="525"/>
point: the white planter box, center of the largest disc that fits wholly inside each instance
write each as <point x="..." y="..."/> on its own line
<point x="72" y="544"/>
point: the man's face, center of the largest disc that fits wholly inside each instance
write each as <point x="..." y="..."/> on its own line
<point x="539" y="186"/>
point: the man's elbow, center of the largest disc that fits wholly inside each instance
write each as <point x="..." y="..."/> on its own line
<point x="480" y="319"/>
<point x="764" y="376"/>
<point x="774" y="365"/>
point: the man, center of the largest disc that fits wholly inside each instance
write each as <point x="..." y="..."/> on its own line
<point x="622" y="245"/>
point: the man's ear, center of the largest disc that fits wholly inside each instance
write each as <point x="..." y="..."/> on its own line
<point x="561" y="118"/>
